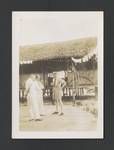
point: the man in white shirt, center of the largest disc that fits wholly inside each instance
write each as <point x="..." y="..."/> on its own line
<point x="34" y="95"/>
<point x="40" y="94"/>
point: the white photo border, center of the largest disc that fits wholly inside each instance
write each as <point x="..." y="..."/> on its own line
<point x="16" y="134"/>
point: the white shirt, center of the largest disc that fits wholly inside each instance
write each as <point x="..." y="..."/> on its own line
<point x="34" y="87"/>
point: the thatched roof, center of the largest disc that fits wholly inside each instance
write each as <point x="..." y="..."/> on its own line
<point x="76" y="48"/>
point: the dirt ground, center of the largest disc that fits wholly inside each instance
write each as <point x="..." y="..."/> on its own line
<point x="75" y="118"/>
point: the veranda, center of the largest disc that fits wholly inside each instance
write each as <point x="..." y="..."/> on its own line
<point x="59" y="59"/>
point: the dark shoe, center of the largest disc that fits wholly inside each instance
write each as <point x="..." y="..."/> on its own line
<point x="38" y="119"/>
<point x="42" y="115"/>
<point x="61" y="114"/>
<point x="55" y="112"/>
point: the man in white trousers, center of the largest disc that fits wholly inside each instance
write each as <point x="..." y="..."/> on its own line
<point x="34" y="95"/>
<point x="40" y="93"/>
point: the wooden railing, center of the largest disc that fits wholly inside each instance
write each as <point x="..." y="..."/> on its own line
<point x="67" y="91"/>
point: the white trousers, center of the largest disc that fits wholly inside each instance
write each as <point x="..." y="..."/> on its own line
<point x="35" y="104"/>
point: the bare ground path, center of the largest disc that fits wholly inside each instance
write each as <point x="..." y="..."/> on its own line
<point x="74" y="119"/>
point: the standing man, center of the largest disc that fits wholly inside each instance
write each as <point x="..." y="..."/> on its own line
<point x="33" y="98"/>
<point x="40" y="94"/>
<point x="58" y="84"/>
<point x="75" y="78"/>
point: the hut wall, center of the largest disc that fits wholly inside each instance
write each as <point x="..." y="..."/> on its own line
<point x="84" y="76"/>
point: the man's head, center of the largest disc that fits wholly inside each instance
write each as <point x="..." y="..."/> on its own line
<point x="33" y="77"/>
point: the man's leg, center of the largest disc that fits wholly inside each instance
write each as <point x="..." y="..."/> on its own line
<point x="30" y="107"/>
<point x="74" y="94"/>
<point x="36" y="109"/>
<point x="61" y="105"/>
<point x="31" y="112"/>
<point x="56" y="107"/>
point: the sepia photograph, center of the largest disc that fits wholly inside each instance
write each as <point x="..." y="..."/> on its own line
<point x="57" y="74"/>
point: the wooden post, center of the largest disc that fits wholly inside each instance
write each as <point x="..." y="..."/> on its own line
<point x="73" y="84"/>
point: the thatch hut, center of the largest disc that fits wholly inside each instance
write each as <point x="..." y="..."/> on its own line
<point x="50" y="57"/>
<point x="77" y="48"/>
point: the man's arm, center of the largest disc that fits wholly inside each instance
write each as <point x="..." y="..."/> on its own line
<point x="63" y="83"/>
<point x="27" y="87"/>
<point x="41" y="86"/>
